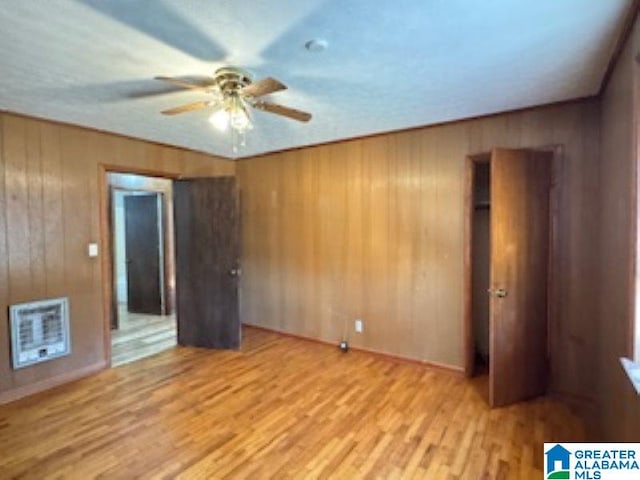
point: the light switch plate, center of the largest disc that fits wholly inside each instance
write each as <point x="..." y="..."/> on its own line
<point x="92" y="250"/>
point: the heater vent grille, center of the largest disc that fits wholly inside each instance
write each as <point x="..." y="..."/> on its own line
<point x="39" y="331"/>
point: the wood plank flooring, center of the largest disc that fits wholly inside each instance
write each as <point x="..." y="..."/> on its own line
<point x="140" y="336"/>
<point x="279" y="408"/>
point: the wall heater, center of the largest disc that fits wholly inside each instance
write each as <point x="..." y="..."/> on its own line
<point x="39" y="331"/>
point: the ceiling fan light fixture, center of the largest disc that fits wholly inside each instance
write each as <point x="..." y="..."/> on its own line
<point x="238" y="115"/>
<point x="220" y="119"/>
<point x="232" y="114"/>
<point x="234" y="95"/>
<point x="240" y="121"/>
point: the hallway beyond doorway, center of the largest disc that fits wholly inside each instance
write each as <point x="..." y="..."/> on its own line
<point x="140" y="336"/>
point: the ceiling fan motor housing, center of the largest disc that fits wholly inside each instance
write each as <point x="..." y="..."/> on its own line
<point x="231" y="79"/>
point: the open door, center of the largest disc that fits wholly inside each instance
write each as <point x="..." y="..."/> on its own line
<point x="142" y="246"/>
<point x="207" y="262"/>
<point x="520" y="227"/>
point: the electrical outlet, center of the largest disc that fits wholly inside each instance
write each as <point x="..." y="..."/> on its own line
<point x="358" y="326"/>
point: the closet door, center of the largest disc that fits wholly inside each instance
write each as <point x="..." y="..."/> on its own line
<point x="520" y="190"/>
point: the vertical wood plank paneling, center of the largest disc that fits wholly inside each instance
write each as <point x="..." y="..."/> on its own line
<point x="16" y="190"/>
<point x="394" y="238"/>
<point x="79" y="268"/>
<point x="403" y="255"/>
<point x="49" y="212"/>
<point x="352" y="285"/>
<point x="308" y="241"/>
<point x="17" y="193"/>
<point x="378" y="223"/>
<point x="332" y="223"/>
<point x="619" y="405"/>
<point x="290" y="294"/>
<point x="35" y="209"/>
<point x="53" y="210"/>
<point x="376" y="297"/>
<point x="5" y="343"/>
<point x="93" y="138"/>
<point x="590" y="221"/>
<point x="269" y="265"/>
<point x="314" y="326"/>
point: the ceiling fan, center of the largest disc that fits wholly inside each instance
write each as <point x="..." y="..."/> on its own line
<point x="234" y="91"/>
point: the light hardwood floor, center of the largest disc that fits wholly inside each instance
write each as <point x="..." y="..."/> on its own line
<point x="279" y="408"/>
<point x="140" y="336"/>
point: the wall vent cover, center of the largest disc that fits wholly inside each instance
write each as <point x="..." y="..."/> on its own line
<point x="39" y="331"/>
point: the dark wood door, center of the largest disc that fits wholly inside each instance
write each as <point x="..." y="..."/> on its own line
<point x="207" y="262"/>
<point x="142" y="246"/>
<point x="112" y="253"/>
<point x="520" y="191"/>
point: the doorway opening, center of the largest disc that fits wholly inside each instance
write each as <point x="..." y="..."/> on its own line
<point x="509" y="294"/>
<point x="143" y="320"/>
<point x="193" y="236"/>
<point x="480" y="267"/>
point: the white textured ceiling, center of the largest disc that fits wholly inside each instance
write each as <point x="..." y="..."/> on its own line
<point x="390" y="65"/>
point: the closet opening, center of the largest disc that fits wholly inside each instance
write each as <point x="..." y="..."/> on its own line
<point x="480" y="266"/>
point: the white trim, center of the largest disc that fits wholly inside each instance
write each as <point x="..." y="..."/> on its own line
<point x="633" y="371"/>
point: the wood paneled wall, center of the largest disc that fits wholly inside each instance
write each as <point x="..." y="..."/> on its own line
<point x="369" y="228"/>
<point x="619" y="405"/>
<point x="49" y="212"/>
<point x="373" y="228"/>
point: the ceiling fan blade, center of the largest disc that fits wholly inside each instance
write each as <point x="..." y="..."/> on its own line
<point x="284" y="111"/>
<point x="262" y="87"/>
<point x="187" y="108"/>
<point x="184" y="83"/>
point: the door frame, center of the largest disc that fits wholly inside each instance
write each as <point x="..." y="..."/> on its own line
<point x="553" y="266"/>
<point x="106" y="240"/>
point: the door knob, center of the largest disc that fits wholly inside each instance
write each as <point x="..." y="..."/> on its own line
<point x="235" y="272"/>
<point x="498" y="292"/>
